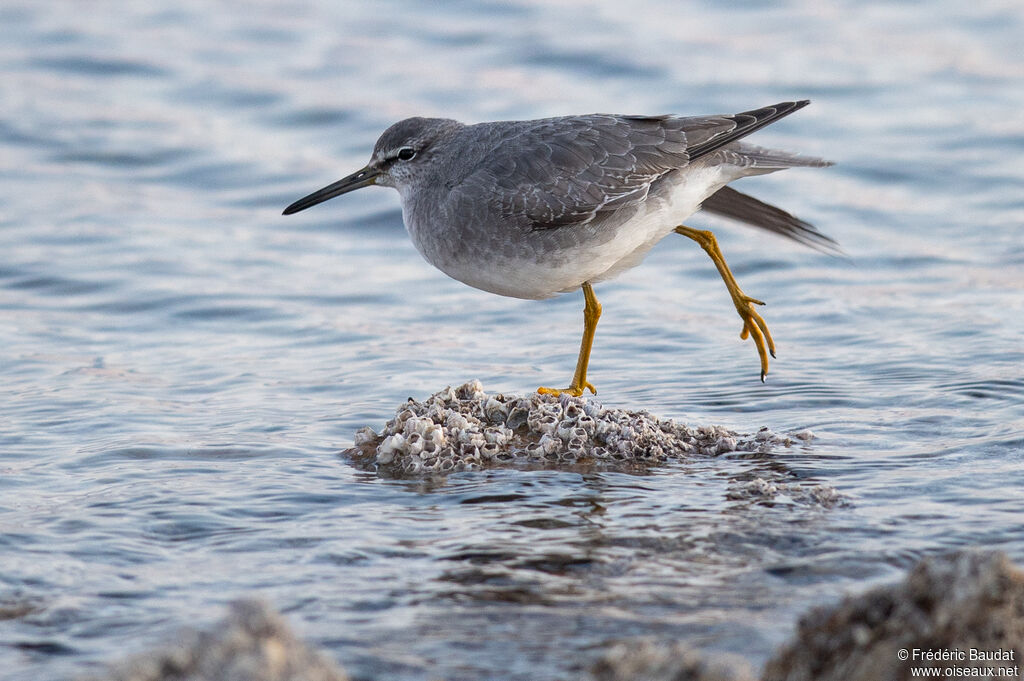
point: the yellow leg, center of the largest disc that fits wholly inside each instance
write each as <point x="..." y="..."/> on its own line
<point x="753" y="324"/>
<point x="591" y="313"/>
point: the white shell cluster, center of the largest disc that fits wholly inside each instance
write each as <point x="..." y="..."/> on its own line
<point x="465" y="428"/>
<point x="761" y="490"/>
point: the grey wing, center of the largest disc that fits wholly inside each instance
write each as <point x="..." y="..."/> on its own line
<point x="567" y="171"/>
<point x="559" y="172"/>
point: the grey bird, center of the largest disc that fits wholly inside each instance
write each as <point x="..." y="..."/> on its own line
<point x="531" y="209"/>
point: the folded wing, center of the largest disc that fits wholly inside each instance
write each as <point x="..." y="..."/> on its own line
<point x="557" y="173"/>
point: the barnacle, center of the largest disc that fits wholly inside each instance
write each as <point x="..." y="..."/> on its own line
<point x="465" y="428"/>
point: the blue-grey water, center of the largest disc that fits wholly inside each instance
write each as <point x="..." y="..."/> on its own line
<point x="180" y="365"/>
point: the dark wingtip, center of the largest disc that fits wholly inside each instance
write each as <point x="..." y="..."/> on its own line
<point x="746" y="122"/>
<point x="786" y="108"/>
<point x="776" y="111"/>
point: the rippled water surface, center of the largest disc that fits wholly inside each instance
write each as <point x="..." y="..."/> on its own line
<point x="181" y="365"/>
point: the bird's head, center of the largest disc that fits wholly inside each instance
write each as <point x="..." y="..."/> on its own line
<point x="401" y="155"/>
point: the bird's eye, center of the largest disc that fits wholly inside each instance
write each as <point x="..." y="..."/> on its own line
<point x="406" y="153"/>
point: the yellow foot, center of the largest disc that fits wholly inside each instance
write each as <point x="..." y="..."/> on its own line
<point x="755" y="327"/>
<point x="573" y="390"/>
<point x="753" y="324"/>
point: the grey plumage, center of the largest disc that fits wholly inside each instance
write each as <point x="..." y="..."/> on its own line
<point x="486" y="202"/>
<point x="566" y="171"/>
<point x="530" y="209"/>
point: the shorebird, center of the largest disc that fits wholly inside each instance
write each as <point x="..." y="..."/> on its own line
<point x="531" y="209"/>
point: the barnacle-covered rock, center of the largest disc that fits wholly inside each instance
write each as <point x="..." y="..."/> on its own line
<point x="763" y="491"/>
<point x="465" y="428"/>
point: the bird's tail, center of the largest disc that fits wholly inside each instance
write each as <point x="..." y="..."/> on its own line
<point x="730" y="203"/>
<point x="773" y="159"/>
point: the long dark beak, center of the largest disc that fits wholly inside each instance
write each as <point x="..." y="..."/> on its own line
<point x="357" y="180"/>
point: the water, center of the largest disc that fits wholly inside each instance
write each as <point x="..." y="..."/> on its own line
<point x="181" y="365"/>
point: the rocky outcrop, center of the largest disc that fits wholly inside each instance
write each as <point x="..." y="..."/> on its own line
<point x="465" y="428"/>
<point x="946" y="608"/>
<point x="961" y="615"/>
<point x="252" y="644"/>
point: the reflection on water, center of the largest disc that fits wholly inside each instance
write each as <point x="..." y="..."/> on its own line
<point x="181" y="366"/>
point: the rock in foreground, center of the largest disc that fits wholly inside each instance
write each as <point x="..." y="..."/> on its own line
<point x="947" y="606"/>
<point x="252" y="644"/>
<point x="951" y="603"/>
<point x="648" y="661"/>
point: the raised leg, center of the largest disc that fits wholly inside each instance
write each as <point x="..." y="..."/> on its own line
<point x="753" y="324"/>
<point x="591" y="313"/>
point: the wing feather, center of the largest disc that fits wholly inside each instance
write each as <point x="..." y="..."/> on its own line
<point x="554" y="173"/>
